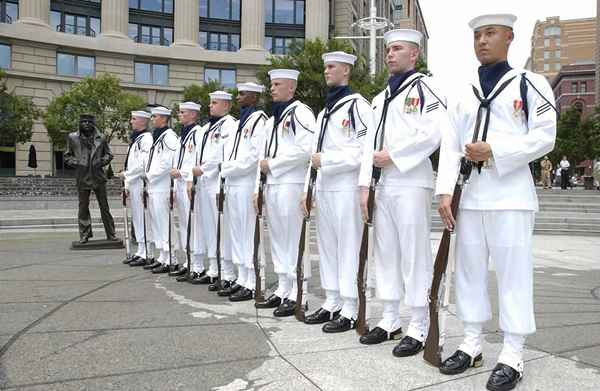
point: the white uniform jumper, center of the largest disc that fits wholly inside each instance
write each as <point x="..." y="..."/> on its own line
<point x="158" y="171"/>
<point x="185" y="163"/>
<point x="339" y="223"/>
<point x="288" y="146"/>
<point x="239" y="169"/>
<point x="496" y="216"/>
<point x="209" y="146"/>
<point x="137" y="156"/>
<point x="415" y="121"/>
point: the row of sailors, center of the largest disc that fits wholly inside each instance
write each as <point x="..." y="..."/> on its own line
<point x="405" y="124"/>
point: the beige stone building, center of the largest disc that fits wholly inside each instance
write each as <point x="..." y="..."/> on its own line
<point x="556" y="43"/>
<point x="155" y="47"/>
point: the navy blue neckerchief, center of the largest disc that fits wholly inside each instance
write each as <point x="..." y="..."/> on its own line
<point x="334" y="94"/>
<point x="396" y="80"/>
<point x="490" y="75"/>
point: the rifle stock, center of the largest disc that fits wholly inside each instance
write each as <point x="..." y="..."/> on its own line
<point x="300" y="310"/>
<point x="188" y="249"/>
<point x="220" y="203"/>
<point x="171" y="222"/>
<point x="433" y="349"/>
<point x="258" y="288"/>
<point x="126" y="224"/>
<point x="145" y="202"/>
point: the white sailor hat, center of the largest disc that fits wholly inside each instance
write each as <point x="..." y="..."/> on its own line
<point x="284" y="74"/>
<point x="141" y="114"/>
<point x="251" y="87"/>
<point x="406" y="35"/>
<point x="220" y="95"/>
<point x="506" y="20"/>
<point x="339" y="57"/>
<point x="189" y="106"/>
<point x="160" y="110"/>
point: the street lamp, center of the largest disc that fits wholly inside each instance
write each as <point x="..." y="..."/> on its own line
<point x="372" y="23"/>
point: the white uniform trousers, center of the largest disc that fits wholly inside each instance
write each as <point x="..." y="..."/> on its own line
<point x="182" y="205"/>
<point x="136" y="205"/>
<point x="505" y="236"/>
<point x="339" y="228"/>
<point x="284" y="218"/>
<point x="403" y="258"/>
<point x="159" y="204"/>
<point x="205" y="234"/>
<point x="240" y="222"/>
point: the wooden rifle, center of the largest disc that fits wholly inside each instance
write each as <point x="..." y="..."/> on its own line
<point x="126" y="223"/>
<point x="257" y="255"/>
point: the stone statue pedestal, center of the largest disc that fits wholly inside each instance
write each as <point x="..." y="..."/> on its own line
<point x="99" y="244"/>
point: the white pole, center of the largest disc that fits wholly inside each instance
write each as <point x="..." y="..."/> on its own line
<point x="373" y="41"/>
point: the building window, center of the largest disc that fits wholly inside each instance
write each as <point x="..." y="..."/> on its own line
<point x="574" y="87"/>
<point x="551" y="30"/>
<point x="219" y="41"/>
<point x="7" y="159"/>
<point x="546" y="55"/>
<point x="557" y="66"/>
<point x="75" y="65"/>
<point x="546" y="67"/>
<point x="147" y="73"/>
<point x="546" y="43"/>
<point x="74" y="24"/>
<point x="583" y="87"/>
<point x="226" y="77"/>
<point x="220" y="9"/>
<point x="557" y="54"/>
<point x="280" y="45"/>
<point x="5" y="56"/>
<point x="9" y="11"/>
<point x="152" y="35"/>
<point x="164" y="6"/>
<point x="557" y="42"/>
<point x="284" y="11"/>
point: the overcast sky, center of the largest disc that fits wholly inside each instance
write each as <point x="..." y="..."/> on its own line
<point x="451" y="57"/>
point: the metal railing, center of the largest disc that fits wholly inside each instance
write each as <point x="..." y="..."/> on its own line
<point x="221" y="47"/>
<point x="6" y="19"/>
<point x="77" y="30"/>
<point x="151" y="40"/>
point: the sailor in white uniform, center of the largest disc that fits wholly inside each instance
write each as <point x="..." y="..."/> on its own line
<point x="209" y="156"/>
<point x="239" y="170"/>
<point x="132" y="174"/>
<point x="410" y="115"/>
<point x="513" y="111"/>
<point x="158" y="169"/>
<point x="340" y="130"/>
<point x="285" y="158"/>
<point x="189" y="115"/>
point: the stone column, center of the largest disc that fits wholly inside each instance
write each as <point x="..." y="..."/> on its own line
<point x="316" y="19"/>
<point x="253" y="24"/>
<point x="115" y="18"/>
<point x="35" y="12"/>
<point x="187" y="23"/>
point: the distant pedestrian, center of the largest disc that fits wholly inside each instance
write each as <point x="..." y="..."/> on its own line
<point x="564" y="173"/>
<point x="546" y="173"/>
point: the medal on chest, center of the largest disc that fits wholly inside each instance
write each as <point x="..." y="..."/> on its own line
<point x="411" y="105"/>
<point x="346" y="128"/>
<point x="215" y="136"/>
<point x="246" y="132"/>
<point x="518" y="109"/>
<point x="286" y="127"/>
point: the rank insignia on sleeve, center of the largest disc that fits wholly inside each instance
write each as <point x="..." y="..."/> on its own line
<point x="411" y="105"/>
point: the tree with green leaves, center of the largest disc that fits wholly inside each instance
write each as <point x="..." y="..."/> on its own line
<point x="312" y="89"/>
<point x="17" y="114"/>
<point x="199" y="94"/>
<point x="100" y="96"/>
<point x="577" y="137"/>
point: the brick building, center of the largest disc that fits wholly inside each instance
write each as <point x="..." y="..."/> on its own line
<point x="574" y="86"/>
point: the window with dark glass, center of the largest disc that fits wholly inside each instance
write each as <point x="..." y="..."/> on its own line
<point x="226" y="77"/>
<point x="220" y="9"/>
<point x="284" y="11"/>
<point x="5" y="56"/>
<point x="9" y="11"/>
<point x="574" y="87"/>
<point x="583" y="87"/>
<point x="164" y="6"/>
<point x="219" y="41"/>
<point x="80" y="18"/>
<point x="75" y="65"/>
<point x="152" y="35"/>
<point x="280" y="45"/>
<point x="149" y="73"/>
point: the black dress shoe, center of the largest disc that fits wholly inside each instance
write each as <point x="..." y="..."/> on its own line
<point x="126" y="261"/>
<point x="339" y="325"/>
<point x="272" y="301"/>
<point x="503" y="378"/>
<point x="459" y="362"/>
<point x="186" y="277"/>
<point x="321" y="316"/>
<point x="195" y="280"/>
<point x="161" y="269"/>
<point x="408" y="346"/>
<point x="243" y="294"/>
<point x="150" y="261"/>
<point x="379" y="335"/>
<point x="138" y="262"/>
<point x="152" y="265"/>
<point x="286" y="308"/>
<point x="179" y="272"/>
<point x="230" y="290"/>
<point x="217" y="286"/>
<point x="83" y="240"/>
<point x="204" y="279"/>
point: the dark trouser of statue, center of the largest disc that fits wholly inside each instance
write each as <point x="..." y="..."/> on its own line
<point x="88" y="151"/>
